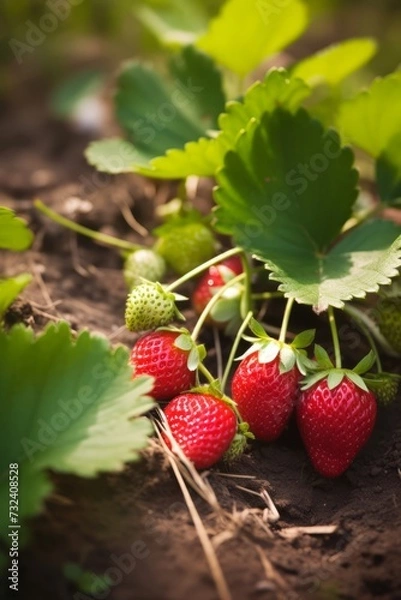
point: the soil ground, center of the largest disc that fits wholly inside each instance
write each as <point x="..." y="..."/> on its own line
<point x="135" y="526"/>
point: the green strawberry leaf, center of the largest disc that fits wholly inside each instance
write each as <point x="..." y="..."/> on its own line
<point x="336" y="62"/>
<point x="10" y="289"/>
<point x="75" y="410"/>
<point x="373" y="117"/>
<point x="322" y="357"/>
<point x="287" y="359"/>
<point x="310" y="380"/>
<point x="285" y="194"/>
<point x="334" y="379"/>
<point x="184" y="342"/>
<point x="357" y="379"/>
<point x="191" y="68"/>
<point x="175" y="22"/>
<point x="365" y="364"/>
<point x="268" y="352"/>
<point x="14" y="232"/>
<point x="226" y="308"/>
<point x="304" y="339"/>
<point x="388" y="172"/>
<point x="157" y="116"/>
<point x="205" y="156"/>
<point x="257" y="328"/>
<point x="247" y="31"/>
<point x="116" y="155"/>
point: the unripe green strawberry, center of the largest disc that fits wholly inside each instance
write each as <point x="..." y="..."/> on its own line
<point x="383" y="385"/>
<point x="149" y="306"/>
<point x="186" y="245"/>
<point x="143" y="264"/>
<point x="388" y="316"/>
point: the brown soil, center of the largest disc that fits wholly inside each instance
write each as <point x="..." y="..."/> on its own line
<point x="135" y="526"/>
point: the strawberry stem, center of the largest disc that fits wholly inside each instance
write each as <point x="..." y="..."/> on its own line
<point x="356" y="315"/>
<point x="246" y="300"/>
<point x="206" y="373"/>
<point x="102" y="238"/>
<point x="267" y="295"/>
<point x="209" y="306"/>
<point x="336" y="340"/>
<point x="286" y="319"/>
<point x="233" y="350"/>
<point x="198" y="270"/>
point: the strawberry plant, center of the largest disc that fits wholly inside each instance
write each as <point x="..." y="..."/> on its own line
<point x="287" y="201"/>
<point x="75" y="410"/>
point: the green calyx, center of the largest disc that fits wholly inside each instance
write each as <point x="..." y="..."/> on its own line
<point x="269" y="349"/>
<point x="196" y="352"/>
<point x="239" y="443"/>
<point x="324" y="369"/>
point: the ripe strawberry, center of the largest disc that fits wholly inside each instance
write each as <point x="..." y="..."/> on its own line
<point x="157" y="355"/>
<point x="335" y="423"/>
<point x="265" y="396"/>
<point x="203" y="425"/>
<point x="149" y="306"/>
<point x="212" y="281"/>
<point x="185" y="245"/>
<point x="143" y="264"/>
<point x="389" y="320"/>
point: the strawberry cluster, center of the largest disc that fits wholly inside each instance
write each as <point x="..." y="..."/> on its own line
<point x="335" y="409"/>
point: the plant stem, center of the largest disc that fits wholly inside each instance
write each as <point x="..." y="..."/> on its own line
<point x="202" y="267"/>
<point x="209" y="306"/>
<point x="206" y="373"/>
<point x="102" y="238"/>
<point x="286" y="319"/>
<point x="267" y="295"/>
<point x="234" y="348"/>
<point x="355" y="314"/>
<point x="246" y="300"/>
<point x="336" y="340"/>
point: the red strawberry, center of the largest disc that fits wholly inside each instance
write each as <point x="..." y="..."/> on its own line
<point x="157" y="355"/>
<point x="265" y="396"/>
<point x="335" y="424"/>
<point x="203" y="425"/>
<point x="214" y="279"/>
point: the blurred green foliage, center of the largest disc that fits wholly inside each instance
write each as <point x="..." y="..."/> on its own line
<point x="95" y="33"/>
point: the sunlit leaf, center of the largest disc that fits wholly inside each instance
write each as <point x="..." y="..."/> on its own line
<point x="14" y="232"/>
<point x="75" y="410"/>
<point x="284" y="195"/>
<point x="334" y="63"/>
<point x="10" y="289"/>
<point x="247" y="31"/>
<point x="372" y="118"/>
<point x="174" y="22"/>
<point x="205" y="156"/>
